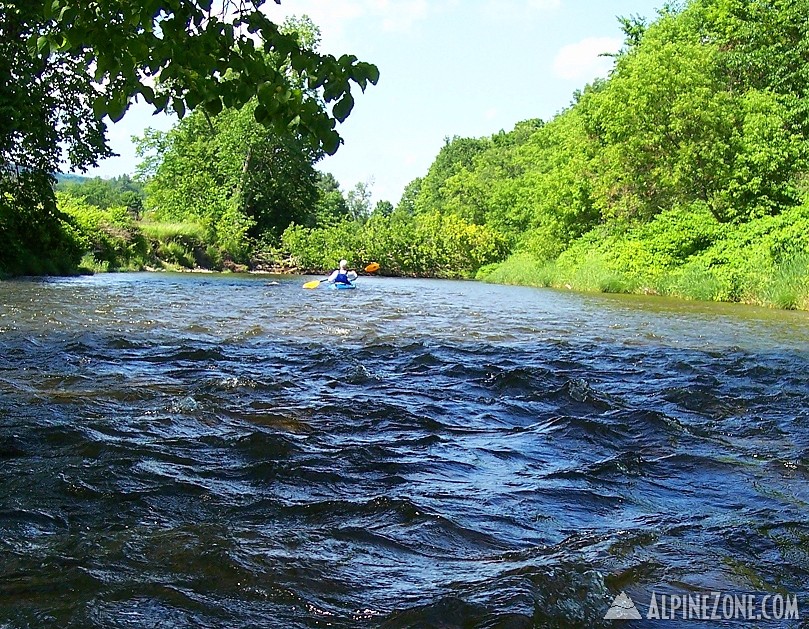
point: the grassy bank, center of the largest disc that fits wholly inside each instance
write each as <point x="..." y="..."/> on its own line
<point x="684" y="254"/>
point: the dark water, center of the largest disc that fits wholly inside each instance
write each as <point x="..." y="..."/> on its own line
<point x="214" y="451"/>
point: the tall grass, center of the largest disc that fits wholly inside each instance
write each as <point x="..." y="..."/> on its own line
<point x="594" y="275"/>
<point x="785" y="285"/>
<point x="788" y="286"/>
<point x="692" y="281"/>
<point x="174" y="232"/>
<point x="520" y="269"/>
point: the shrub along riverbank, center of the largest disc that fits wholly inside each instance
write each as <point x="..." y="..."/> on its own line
<point x="684" y="254"/>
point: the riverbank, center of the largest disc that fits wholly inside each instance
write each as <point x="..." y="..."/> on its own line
<point x="785" y="289"/>
<point x="687" y="255"/>
<point x="684" y="253"/>
<point x="785" y="286"/>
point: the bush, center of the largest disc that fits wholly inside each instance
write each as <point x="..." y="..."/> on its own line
<point x="684" y="253"/>
<point x="428" y="244"/>
<point x="110" y="235"/>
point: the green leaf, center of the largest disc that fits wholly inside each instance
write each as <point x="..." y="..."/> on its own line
<point x="99" y="107"/>
<point x="365" y="71"/>
<point x="213" y="106"/>
<point x="147" y="93"/>
<point x="42" y="43"/>
<point x="101" y="68"/>
<point x="330" y="141"/>
<point x="260" y="113"/>
<point x="193" y="98"/>
<point x="117" y="107"/>
<point x="66" y="14"/>
<point x="161" y="101"/>
<point x="343" y="107"/>
<point x="266" y="92"/>
<point x="179" y="106"/>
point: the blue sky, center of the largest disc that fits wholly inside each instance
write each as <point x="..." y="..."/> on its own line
<point x="447" y="68"/>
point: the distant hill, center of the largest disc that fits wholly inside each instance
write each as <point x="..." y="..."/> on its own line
<point x="71" y="178"/>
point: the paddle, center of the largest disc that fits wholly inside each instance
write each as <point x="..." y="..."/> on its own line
<point x="368" y="269"/>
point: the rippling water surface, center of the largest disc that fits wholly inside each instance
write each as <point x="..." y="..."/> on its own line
<point x="220" y="451"/>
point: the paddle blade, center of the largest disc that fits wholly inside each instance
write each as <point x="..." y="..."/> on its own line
<point x="312" y="284"/>
<point x="372" y="267"/>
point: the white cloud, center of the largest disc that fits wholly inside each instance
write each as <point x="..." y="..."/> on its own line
<point x="336" y="16"/>
<point x="581" y="61"/>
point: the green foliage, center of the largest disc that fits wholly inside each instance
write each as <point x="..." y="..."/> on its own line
<point x="788" y="286"/>
<point x="183" y="245"/>
<point x="428" y="244"/>
<point x="684" y="173"/>
<point x="26" y="227"/>
<point x="331" y="206"/>
<point x="65" y="65"/>
<point x="176" y="254"/>
<point x="358" y="202"/>
<point x="188" y="234"/>
<point x="179" y="55"/>
<point x="109" y="234"/>
<point x="229" y="173"/>
<point x="521" y="269"/>
<point x="684" y="253"/>
<point x="407" y="203"/>
<point x="455" y="156"/>
<point x="105" y="193"/>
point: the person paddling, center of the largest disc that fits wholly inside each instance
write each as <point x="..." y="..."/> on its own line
<point x="342" y="275"/>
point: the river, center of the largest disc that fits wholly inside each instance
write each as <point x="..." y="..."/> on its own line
<point x="235" y="451"/>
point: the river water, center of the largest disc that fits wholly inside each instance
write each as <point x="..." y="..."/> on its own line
<point x="228" y="451"/>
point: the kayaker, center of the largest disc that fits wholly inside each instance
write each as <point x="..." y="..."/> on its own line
<point x="342" y="275"/>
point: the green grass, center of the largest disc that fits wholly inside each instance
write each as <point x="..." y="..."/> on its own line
<point x="788" y="286"/>
<point x="692" y="281"/>
<point x="177" y="232"/>
<point x="175" y="253"/>
<point x="784" y="286"/>
<point x="90" y="265"/>
<point x="593" y="275"/>
<point x="520" y="269"/>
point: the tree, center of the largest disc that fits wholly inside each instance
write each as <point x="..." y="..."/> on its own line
<point x="457" y="154"/>
<point x="43" y="120"/>
<point x="383" y="208"/>
<point x="279" y="185"/>
<point x="358" y="201"/>
<point x="185" y="53"/>
<point x="410" y="193"/>
<point x="694" y="113"/>
<point x="225" y="168"/>
<point x="66" y="64"/>
<point x="331" y="205"/>
<point x="106" y="193"/>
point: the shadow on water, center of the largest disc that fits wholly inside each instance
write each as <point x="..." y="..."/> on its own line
<point x="211" y="451"/>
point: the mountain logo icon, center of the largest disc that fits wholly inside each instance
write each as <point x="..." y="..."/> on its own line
<point x="622" y="608"/>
